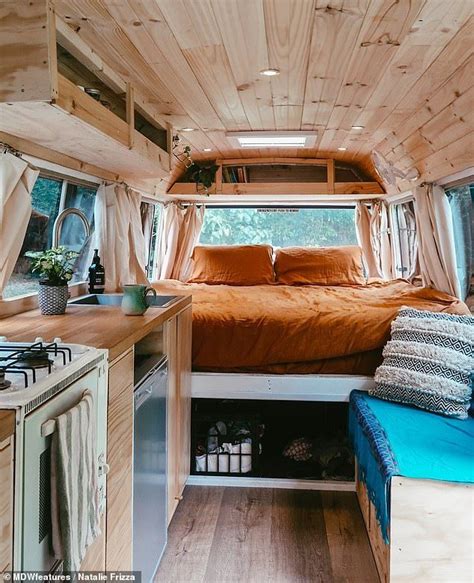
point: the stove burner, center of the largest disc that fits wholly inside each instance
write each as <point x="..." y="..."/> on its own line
<point x="33" y="359"/>
<point x="4" y="384"/>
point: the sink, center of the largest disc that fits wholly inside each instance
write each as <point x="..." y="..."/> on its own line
<point x="116" y="300"/>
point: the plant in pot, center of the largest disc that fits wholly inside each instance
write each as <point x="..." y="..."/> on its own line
<point x="204" y="175"/>
<point x="55" y="267"/>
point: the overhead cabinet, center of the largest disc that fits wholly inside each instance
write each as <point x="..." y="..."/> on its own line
<point x="57" y="92"/>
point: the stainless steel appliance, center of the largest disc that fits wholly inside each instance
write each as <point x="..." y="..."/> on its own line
<point x="149" y="470"/>
<point x="41" y="381"/>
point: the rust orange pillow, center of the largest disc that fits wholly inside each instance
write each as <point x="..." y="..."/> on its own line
<point x="232" y="264"/>
<point x="319" y="266"/>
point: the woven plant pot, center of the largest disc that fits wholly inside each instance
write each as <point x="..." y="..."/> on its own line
<point x="52" y="300"/>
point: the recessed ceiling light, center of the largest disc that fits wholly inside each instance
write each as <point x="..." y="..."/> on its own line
<point x="207" y="149"/>
<point x="342" y="149"/>
<point x="357" y="127"/>
<point x="270" y="72"/>
<point x="187" y="129"/>
<point x="272" y="139"/>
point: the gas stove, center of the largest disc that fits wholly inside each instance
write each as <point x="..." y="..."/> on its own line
<point x="28" y="370"/>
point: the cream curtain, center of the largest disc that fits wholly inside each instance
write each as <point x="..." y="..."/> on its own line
<point x="363" y="221"/>
<point x="119" y="236"/>
<point x="17" y="180"/>
<point x="380" y="238"/>
<point x="180" y="232"/>
<point x="436" y="250"/>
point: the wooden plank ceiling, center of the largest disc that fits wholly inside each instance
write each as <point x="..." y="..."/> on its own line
<point x="402" y="69"/>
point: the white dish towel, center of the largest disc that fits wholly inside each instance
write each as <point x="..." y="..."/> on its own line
<point x="74" y="494"/>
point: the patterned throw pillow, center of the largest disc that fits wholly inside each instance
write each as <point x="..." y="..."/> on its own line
<point x="428" y="362"/>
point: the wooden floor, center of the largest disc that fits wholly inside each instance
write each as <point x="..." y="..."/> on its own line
<point x="255" y="535"/>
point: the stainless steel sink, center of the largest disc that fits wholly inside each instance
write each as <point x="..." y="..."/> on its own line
<point x="116" y="300"/>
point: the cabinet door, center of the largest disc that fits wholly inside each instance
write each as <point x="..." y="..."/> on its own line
<point x="120" y="460"/>
<point x="172" y="415"/>
<point x="184" y="341"/>
<point x="6" y="503"/>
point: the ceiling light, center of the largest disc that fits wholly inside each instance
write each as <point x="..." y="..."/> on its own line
<point x="270" y="72"/>
<point x="273" y="139"/>
<point x="342" y="149"/>
<point x="187" y="129"/>
<point x="207" y="149"/>
<point x="357" y="127"/>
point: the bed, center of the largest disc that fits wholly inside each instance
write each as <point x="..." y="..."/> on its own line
<point x="298" y="330"/>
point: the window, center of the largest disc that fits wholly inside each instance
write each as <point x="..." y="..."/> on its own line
<point x="155" y="234"/>
<point x="49" y="197"/>
<point x="461" y="200"/>
<point x="404" y="244"/>
<point x="280" y="227"/>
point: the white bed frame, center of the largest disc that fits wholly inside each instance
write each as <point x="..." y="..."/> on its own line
<point x="322" y="388"/>
<point x="328" y="388"/>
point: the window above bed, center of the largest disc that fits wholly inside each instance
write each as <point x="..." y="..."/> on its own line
<point x="279" y="227"/>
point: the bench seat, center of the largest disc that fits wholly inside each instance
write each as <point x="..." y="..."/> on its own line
<point x="415" y="475"/>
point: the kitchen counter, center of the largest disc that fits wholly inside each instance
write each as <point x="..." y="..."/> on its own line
<point x="98" y="326"/>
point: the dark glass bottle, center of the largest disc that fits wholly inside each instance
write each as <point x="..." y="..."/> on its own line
<point x="96" y="275"/>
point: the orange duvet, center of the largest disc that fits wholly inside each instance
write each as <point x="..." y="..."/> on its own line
<point x="304" y="329"/>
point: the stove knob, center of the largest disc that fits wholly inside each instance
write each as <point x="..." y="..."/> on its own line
<point x="58" y="340"/>
<point x="3" y="338"/>
<point x="38" y="339"/>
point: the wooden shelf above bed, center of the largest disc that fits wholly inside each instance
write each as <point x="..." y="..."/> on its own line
<point x="324" y="182"/>
<point x="45" y="64"/>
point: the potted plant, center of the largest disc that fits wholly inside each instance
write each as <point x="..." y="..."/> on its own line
<point x="55" y="267"/>
<point x="202" y="174"/>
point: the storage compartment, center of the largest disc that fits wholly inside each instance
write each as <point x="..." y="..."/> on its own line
<point x="296" y="440"/>
<point x="89" y="82"/>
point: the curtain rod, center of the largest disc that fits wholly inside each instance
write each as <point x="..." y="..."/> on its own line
<point x="7" y="149"/>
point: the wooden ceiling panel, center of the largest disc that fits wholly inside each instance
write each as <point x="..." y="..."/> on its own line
<point x="399" y="68"/>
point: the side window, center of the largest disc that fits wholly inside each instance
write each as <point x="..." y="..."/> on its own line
<point x="154" y="237"/>
<point x="49" y="197"/>
<point x="461" y="202"/>
<point x="404" y="240"/>
<point x="45" y="198"/>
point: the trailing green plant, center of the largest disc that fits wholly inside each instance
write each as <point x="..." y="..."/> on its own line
<point x="204" y="174"/>
<point x="55" y="266"/>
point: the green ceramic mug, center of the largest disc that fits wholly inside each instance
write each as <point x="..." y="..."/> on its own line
<point x="134" y="301"/>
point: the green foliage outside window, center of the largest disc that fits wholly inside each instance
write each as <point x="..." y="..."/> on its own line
<point x="308" y="227"/>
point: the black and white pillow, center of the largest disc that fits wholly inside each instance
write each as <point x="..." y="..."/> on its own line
<point x="428" y="362"/>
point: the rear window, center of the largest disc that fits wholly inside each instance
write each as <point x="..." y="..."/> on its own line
<point x="280" y="227"/>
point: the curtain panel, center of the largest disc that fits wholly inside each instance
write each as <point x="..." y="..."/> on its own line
<point x="17" y="180"/>
<point x="119" y="236"/>
<point x="373" y="234"/>
<point x="181" y="227"/>
<point x="436" y="251"/>
<point x="363" y="222"/>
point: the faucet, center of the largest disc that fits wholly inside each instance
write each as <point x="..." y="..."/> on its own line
<point x="58" y="223"/>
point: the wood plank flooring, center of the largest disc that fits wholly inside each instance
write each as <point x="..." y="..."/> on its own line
<point x="256" y="535"/>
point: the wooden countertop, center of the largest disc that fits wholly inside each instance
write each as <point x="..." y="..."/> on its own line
<point x="98" y="326"/>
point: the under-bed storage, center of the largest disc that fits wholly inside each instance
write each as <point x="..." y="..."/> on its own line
<point x="271" y="439"/>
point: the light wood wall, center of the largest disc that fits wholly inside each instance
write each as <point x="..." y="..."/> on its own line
<point x="402" y="70"/>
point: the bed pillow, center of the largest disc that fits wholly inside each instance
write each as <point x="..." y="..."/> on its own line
<point x="233" y="264"/>
<point x="428" y="362"/>
<point x="319" y="266"/>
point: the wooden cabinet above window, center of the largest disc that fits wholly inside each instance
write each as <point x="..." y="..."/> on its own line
<point x="58" y="93"/>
